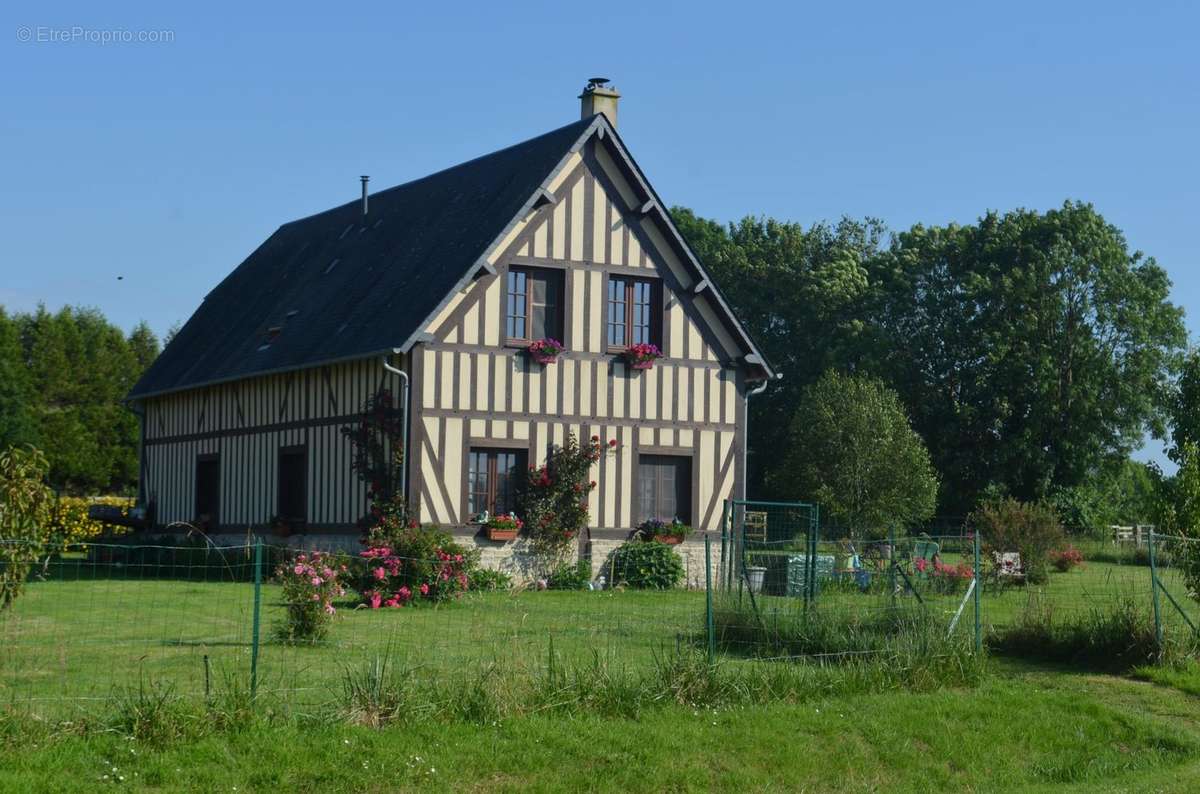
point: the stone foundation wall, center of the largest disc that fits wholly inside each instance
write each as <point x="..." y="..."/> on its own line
<point x="514" y="558"/>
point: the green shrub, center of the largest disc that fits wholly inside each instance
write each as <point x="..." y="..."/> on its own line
<point x="487" y="580"/>
<point x="570" y="577"/>
<point x="647" y="565"/>
<point x="25" y="503"/>
<point x="1030" y="529"/>
<point x="404" y="564"/>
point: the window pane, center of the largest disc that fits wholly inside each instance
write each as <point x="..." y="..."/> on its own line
<point x="537" y="323"/>
<point x="616" y="313"/>
<point x="664" y="487"/>
<point x="517" y="286"/>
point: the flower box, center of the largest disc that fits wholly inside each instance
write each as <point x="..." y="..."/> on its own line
<point x="495" y="533"/>
<point x="503" y="527"/>
<point x="642" y="356"/>
<point x="545" y="351"/>
<point x="670" y="533"/>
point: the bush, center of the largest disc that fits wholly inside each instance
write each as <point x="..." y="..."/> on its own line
<point x="949" y="579"/>
<point x="310" y="583"/>
<point x="1066" y="559"/>
<point x="1031" y="530"/>
<point x="24" y="510"/>
<point x="647" y="565"/>
<point x="487" y="580"/>
<point x="69" y="522"/>
<point x="570" y="577"/>
<point x="412" y="564"/>
<point x="555" y="496"/>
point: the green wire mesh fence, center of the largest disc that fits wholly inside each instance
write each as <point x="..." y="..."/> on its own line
<point x="776" y="584"/>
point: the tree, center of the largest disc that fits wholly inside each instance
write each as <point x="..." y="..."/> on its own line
<point x="16" y="390"/>
<point x="1185" y="407"/>
<point x="1032" y="348"/>
<point x="24" y="511"/>
<point x="80" y="369"/>
<point x="800" y="294"/>
<point x="853" y="451"/>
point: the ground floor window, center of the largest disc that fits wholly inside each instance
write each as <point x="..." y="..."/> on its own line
<point x="493" y="477"/>
<point x="665" y="487"/>
<point x="208" y="495"/>
<point x="293" y="467"/>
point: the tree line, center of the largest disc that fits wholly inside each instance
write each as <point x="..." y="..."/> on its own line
<point x="63" y="379"/>
<point x="1033" y="351"/>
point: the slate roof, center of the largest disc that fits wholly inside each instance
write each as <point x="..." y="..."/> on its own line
<point x="418" y="241"/>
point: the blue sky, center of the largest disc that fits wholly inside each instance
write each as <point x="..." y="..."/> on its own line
<point x="168" y="162"/>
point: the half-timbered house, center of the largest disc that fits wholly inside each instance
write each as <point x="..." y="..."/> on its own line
<point x="441" y="283"/>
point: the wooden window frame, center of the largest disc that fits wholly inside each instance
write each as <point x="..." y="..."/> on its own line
<point x="301" y="451"/>
<point x="693" y="505"/>
<point x="491" y="451"/>
<point x="560" y="315"/>
<point x="656" y="310"/>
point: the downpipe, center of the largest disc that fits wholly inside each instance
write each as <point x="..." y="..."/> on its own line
<point x="404" y="425"/>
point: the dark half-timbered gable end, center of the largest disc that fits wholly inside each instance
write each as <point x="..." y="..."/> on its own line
<point x="447" y="280"/>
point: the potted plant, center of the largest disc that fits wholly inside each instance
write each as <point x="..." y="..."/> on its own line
<point x="545" y="351"/>
<point x="671" y="533"/>
<point x="642" y="355"/>
<point x="503" y="527"/>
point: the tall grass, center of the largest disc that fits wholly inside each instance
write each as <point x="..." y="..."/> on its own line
<point x="1114" y="637"/>
<point x="906" y="642"/>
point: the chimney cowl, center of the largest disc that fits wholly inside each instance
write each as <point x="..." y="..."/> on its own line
<point x="599" y="97"/>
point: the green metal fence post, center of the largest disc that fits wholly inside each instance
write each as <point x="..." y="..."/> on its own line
<point x="1158" y="627"/>
<point x="978" y="599"/>
<point x="721" y="579"/>
<point x="710" y="624"/>
<point x="891" y="563"/>
<point x="258" y="546"/>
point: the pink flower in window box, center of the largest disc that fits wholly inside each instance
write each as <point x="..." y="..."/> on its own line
<point x="642" y="355"/>
<point x="545" y="351"/>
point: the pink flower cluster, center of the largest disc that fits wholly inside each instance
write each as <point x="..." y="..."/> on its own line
<point x="395" y="582"/>
<point x="310" y="584"/>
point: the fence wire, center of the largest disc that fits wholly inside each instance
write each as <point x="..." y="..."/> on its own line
<point x="780" y="584"/>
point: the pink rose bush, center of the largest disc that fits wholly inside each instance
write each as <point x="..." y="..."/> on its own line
<point x="412" y="564"/>
<point x="310" y="584"/>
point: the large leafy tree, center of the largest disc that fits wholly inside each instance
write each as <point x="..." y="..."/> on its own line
<point x="16" y="389"/>
<point x="800" y="293"/>
<point x="80" y="367"/>
<point x="854" y="452"/>
<point x="1032" y="348"/>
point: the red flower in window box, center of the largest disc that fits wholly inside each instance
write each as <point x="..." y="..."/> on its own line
<point x="545" y="351"/>
<point x="503" y="527"/>
<point x="642" y="356"/>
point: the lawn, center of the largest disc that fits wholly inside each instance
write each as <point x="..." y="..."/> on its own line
<point x="74" y="648"/>
<point x="1025" y="729"/>
<point x="70" y="640"/>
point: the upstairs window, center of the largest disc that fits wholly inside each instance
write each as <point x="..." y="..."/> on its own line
<point x="535" y="305"/>
<point x="634" y="312"/>
<point x="493" y="476"/>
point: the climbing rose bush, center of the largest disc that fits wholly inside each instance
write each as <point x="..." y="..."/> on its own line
<point x="310" y="583"/>
<point x="555" y="497"/>
<point x="413" y="564"/>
